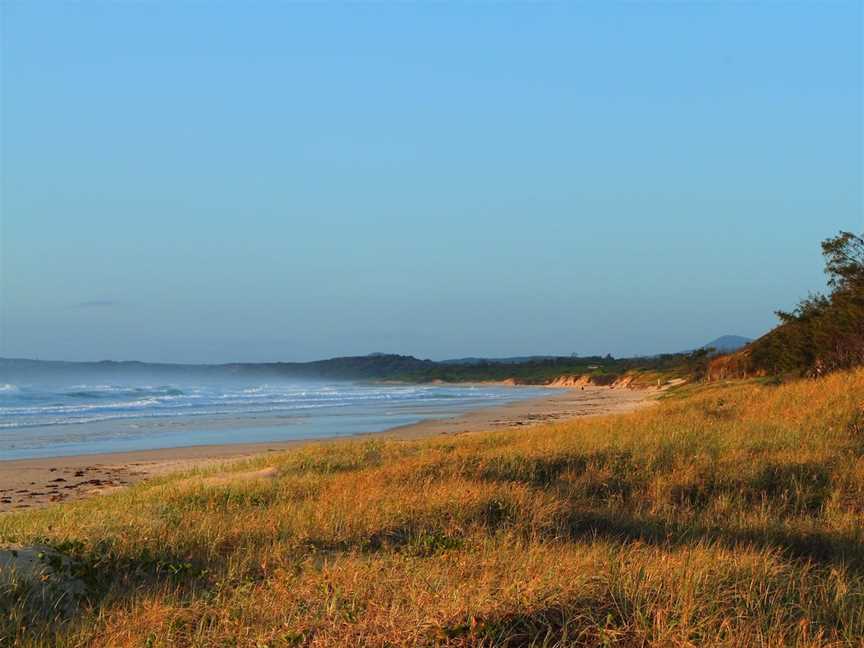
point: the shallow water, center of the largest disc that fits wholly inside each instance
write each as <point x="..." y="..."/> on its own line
<point x="52" y="420"/>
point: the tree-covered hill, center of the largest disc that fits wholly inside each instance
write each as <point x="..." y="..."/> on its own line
<point x="824" y="333"/>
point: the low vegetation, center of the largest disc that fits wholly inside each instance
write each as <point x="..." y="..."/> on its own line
<point x="730" y="514"/>
<point x="602" y="370"/>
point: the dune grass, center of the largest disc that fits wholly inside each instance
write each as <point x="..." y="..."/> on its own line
<point x="730" y="516"/>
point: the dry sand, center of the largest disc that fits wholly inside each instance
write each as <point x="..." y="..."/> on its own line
<point x="27" y="483"/>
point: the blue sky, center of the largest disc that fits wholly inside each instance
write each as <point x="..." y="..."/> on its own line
<point x="260" y="181"/>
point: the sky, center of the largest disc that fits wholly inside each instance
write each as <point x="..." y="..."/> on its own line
<point x="213" y="182"/>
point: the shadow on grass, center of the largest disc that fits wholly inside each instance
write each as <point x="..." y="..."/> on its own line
<point x="816" y="546"/>
<point x="551" y="626"/>
<point x="797" y="490"/>
<point x="86" y="578"/>
<point x="111" y="575"/>
<point x="425" y="537"/>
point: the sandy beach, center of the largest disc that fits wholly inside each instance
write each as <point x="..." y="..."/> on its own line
<point x="28" y="483"/>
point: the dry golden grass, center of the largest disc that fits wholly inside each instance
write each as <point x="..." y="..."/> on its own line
<point x="731" y="515"/>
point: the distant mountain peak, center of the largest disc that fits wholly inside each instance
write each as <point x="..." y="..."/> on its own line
<point x="728" y="343"/>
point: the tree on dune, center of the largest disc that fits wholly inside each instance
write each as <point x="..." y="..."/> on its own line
<point x="823" y="333"/>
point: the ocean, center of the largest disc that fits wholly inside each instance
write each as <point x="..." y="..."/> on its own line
<point x="39" y="420"/>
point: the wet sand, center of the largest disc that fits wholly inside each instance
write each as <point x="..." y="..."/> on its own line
<point x="28" y="483"/>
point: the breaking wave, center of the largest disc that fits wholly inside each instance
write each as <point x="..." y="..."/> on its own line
<point x="29" y="413"/>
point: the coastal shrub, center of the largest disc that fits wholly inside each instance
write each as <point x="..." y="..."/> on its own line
<point x="824" y="333"/>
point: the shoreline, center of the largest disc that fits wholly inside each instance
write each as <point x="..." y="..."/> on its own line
<point x="41" y="481"/>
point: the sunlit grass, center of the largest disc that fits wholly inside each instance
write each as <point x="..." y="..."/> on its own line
<point x="731" y="515"/>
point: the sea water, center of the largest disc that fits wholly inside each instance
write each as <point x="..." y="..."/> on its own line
<point x="38" y="420"/>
